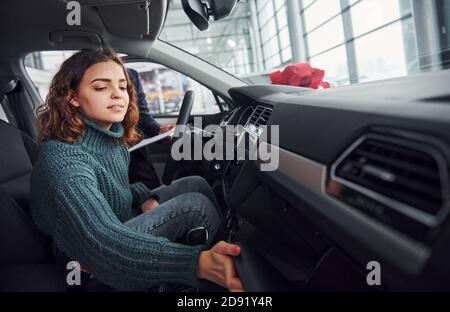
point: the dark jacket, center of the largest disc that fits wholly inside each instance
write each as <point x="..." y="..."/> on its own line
<point x="147" y="124"/>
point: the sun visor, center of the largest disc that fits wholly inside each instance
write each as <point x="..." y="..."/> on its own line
<point x="134" y="19"/>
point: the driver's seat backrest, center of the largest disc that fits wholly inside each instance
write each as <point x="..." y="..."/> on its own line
<point x="26" y="261"/>
<point x="17" y="155"/>
<point x="20" y="240"/>
<point x="26" y="258"/>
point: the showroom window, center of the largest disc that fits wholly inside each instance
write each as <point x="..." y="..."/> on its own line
<point x="353" y="41"/>
<point x="164" y="88"/>
<point x="274" y="32"/>
<point x="360" y="40"/>
<point x="226" y="43"/>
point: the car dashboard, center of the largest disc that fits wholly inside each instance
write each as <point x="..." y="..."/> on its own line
<point x="363" y="172"/>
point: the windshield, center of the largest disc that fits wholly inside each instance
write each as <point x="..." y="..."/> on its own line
<point x="351" y="41"/>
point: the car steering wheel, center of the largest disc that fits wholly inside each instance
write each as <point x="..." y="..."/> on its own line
<point x="172" y="165"/>
<point x="186" y="108"/>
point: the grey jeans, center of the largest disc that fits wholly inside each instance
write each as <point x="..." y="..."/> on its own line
<point x="185" y="204"/>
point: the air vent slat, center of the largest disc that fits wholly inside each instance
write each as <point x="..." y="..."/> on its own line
<point x="401" y="165"/>
<point x="260" y="117"/>
<point x="426" y="160"/>
<point x="426" y="203"/>
<point x="401" y="185"/>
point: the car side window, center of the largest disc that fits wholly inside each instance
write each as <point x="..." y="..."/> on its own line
<point x="2" y="113"/>
<point x="41" y="66"/>
<point x="164" y="90"/>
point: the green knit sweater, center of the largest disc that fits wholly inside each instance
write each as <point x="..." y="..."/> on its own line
<point x="80" y="196"/>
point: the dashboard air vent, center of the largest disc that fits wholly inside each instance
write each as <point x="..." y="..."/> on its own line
<point x="399" y="170"/>
<point x="260" y="117"/>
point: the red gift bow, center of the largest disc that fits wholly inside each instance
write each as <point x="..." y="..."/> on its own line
<point x="300" y="75"/>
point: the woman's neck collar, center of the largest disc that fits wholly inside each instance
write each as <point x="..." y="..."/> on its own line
<point x="98" y="138"/>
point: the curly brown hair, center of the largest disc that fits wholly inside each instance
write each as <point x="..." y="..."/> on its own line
<point x="57" y="119"/>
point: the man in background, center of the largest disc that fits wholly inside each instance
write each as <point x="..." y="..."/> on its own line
<point x="141" y="166"/>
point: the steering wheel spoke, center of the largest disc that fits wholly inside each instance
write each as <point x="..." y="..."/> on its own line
<point x="172" y="165"/>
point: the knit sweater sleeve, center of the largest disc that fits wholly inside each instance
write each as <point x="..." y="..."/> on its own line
<point x="89" y="232"/>
<point x="141" y="193"/>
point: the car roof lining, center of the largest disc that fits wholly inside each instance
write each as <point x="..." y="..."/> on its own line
<point x="121" y="24"/>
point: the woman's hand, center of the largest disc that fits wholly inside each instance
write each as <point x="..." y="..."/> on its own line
<point x="217" y="266"/>
<point x="149" y="204"/>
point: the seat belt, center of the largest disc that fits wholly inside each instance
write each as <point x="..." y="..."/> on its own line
<point x="12" y="88"/>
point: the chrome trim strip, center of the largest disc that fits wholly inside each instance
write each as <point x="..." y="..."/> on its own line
<point x="304" y="171"/>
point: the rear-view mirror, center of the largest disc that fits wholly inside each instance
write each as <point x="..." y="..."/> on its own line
<point x="199" y="12"/>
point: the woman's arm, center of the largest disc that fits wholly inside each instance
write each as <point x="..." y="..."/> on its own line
<point x="88" y="231"/>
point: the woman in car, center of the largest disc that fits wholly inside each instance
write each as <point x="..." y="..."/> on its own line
<point x="125" y="235"/>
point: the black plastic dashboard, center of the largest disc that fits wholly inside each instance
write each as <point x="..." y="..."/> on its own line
<point x="318" y="127"/>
